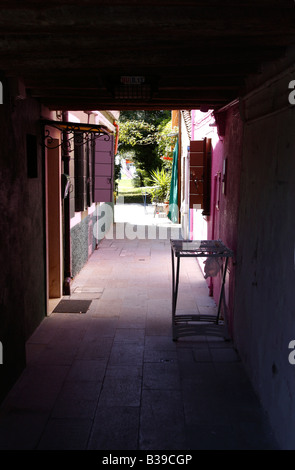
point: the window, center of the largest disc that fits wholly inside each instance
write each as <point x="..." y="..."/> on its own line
<point x="104" y="168"/>
<point x="80" y="173"/>
<point x="200" y="174"/>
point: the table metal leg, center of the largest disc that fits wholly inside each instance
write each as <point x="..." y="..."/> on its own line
<point x="175" y="282"/>
<point x="173" y="277"/>
<point x="221" y="291"/>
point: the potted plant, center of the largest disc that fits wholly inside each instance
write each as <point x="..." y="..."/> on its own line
<point x="160" y="191"/>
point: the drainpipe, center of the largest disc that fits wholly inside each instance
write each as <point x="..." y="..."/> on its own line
<point x="117" y="137"/>
<point x="213" y="226"/>
<point x="116" y="146"/>
<point x="185" y="208"/>
<point x="179" y="176"/>
<point x="67" y="227"/>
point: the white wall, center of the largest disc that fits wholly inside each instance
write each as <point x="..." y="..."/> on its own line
<point x="184" y="210"/>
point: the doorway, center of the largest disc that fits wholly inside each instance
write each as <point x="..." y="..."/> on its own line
<point x="54" y="222"/>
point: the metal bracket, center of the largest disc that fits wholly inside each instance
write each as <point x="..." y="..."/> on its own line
<point x="79" y="133"/>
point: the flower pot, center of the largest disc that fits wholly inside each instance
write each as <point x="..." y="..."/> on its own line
<point x="166" y="207"/>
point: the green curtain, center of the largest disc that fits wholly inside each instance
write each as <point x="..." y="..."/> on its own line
<point x="173" y="201"/>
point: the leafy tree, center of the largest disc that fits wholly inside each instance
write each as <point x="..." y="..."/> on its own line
<point x="166" y="138"/>
<point x="152" y="117"/>
<point x="135" y="132"/>
<point x="146" y="134"/>
<point x="140" y="137"/>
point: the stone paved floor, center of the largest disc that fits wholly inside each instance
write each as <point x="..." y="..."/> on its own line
<point x="113" y="379"/>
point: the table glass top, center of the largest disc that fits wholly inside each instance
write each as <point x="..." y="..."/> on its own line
<point x="200" y="248"/>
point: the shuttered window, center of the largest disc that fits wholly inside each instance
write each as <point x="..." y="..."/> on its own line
<point x="89" y="163"/>
<point x="200" y="174"/>
<point x="84" y="167"/>
<point x="104" y="169"/>
<point x="94" y="169"/>
<point x="80" y="173"/>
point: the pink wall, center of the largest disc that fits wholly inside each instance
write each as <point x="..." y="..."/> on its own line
<point x="223" y="222"/>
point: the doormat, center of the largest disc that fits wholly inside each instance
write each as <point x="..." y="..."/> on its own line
<point x="72" y="306"/>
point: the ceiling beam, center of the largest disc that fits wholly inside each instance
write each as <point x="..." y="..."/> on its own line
<point x="32" y="4"/>
<point x="105" y="105"/>
<point x="72" y="54"/>
<point x="173" y="58"/>
<point x="233" y="19"/>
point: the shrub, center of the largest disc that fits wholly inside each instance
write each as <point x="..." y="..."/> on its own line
<point x="160" y="180"/>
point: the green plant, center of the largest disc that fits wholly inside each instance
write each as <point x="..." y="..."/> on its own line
<point x="117" y="172"/>
<point x="139" y="133"/>
<point x="141" y="178"/>
<point x="160" y="180"/>
<point x="166" y="138"/>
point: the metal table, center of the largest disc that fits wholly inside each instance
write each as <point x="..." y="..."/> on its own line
<point x="184" y="325"/>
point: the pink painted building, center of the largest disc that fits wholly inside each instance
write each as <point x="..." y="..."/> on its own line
<point x="223" y="131"/>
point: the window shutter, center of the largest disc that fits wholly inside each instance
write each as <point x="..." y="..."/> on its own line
<point x="200" y="174"/>
<point x="72" y="188"/>
<point x="104" y="169"/>
<point x="207" y="177"/>
<point x="89" y="181"/>
<point x="80" y="174"/>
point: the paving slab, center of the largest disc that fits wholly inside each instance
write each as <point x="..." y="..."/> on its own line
<point x="113" y="378"/>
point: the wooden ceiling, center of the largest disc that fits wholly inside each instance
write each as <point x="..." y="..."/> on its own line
<point x="187" y="54"/>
